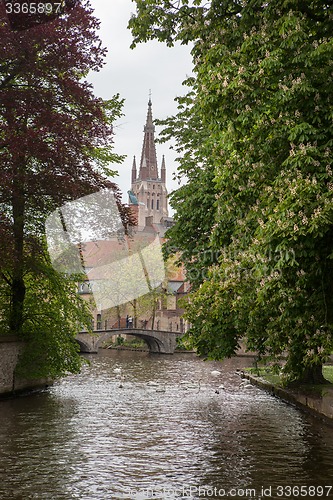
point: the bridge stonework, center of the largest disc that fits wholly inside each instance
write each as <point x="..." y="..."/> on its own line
<point x="158" y="341"/>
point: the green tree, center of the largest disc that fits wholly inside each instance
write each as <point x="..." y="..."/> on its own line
<point x="53" y="315"/>
<point x="55" y="146"/>
<point x="262" y="92"/>
<point x="193" y="202"/>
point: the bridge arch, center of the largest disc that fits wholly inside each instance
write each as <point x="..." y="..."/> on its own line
<point x="158" y="341"/>
<point x="154" y="344"/>
<point x="84" y="346"/>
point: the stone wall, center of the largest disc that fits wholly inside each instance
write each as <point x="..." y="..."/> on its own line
<point x="320" y="404"/>
<point x="10" y="348"/>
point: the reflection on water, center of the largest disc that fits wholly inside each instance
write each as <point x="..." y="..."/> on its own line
<point x="104" y="435"/>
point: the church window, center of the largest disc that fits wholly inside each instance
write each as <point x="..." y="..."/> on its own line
<point x="157" y="204"/>
<point x="152" y="204"/>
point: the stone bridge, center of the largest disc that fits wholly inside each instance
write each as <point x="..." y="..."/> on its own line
<point x="158" y="341"/>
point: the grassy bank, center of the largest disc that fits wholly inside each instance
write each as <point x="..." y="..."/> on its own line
<point x="275" y="379"/>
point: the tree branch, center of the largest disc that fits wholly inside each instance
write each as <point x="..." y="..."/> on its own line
<point x="7" y="280"/>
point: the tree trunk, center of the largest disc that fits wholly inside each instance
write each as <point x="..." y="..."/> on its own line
<point x="118" y="316"/>
<point x="153" y="314"/>
<point x="17" y="305"/>
<point x="135" y="313"/>
<point x="313" y="376"/>
<point x="18" y="289"/>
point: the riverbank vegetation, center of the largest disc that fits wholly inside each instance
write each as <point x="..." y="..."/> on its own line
<point x="55" y="146"/>
<point x="254" y="220"/>
<point x="273" y="377"/>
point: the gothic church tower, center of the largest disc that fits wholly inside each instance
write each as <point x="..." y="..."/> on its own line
<point x="148" y="188"/>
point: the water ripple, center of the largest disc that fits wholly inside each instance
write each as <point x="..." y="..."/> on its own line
<point x="88" y="438"/>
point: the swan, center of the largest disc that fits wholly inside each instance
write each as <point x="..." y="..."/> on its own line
<point x="152" y="383"/>
<point x="194" y="385"/>
<point x="245" y="385"/>
<point x="215" y="373"/>
<point x="185" y="384"/>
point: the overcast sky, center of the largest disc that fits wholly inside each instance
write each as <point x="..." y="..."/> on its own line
<point x="132" y="73"/>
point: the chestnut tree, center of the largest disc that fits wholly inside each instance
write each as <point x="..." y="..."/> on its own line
<point x="256" y="124"/>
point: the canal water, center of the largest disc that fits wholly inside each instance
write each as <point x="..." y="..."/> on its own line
<point x="163" y="428"/>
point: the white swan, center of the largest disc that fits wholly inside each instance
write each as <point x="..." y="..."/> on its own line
<point x="194" y="385"/>
<point x="246" y="385"/>
<point x="215" y="373"/>
<point x="121" y="381"/>
<point x="152" y="383"/>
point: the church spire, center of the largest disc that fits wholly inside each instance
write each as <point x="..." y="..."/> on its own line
<point x="163" y="170"/>
<point x="134" y="170"/>
<point x="149" y="195"/>
<point x="148" y="164"/>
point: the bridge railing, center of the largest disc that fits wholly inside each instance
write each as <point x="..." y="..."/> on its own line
<point x="131" y="329"/>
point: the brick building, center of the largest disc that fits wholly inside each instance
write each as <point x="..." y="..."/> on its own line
<point x="148" y="199"/>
